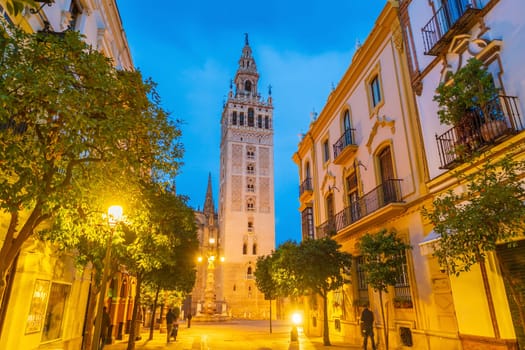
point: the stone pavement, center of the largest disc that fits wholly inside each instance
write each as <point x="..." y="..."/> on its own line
<point x="233" y="335"/>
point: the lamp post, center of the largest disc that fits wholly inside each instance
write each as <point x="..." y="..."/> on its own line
<point x="114" y="216"/>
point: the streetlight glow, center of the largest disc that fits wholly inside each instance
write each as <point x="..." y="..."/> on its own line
<point x="114" y="214"/>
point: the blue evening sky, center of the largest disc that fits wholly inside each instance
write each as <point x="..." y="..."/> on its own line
<point x="191" y="49"/>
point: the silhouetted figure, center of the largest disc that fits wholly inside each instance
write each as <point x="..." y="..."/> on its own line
<point x="367" y="327"/>
<point x="170" y="318"/>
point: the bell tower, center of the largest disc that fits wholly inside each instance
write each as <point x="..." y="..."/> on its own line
<point x="246" y="189"/>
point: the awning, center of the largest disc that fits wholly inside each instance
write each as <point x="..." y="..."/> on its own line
<point x="426" y="246"/>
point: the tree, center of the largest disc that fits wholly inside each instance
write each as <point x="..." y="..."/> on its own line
<point x="265" y="280"/>
<point x="383" y="253"/>
<point x="16" y="6"/>
<point x="316" y="266"/>
<point x="69" y="120"/>
<point x="489" y="212"/>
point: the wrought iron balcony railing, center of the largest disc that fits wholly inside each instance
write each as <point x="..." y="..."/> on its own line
<point x="345" y="140"/>
<point x="482" y="128"/>
<point x="306" y="185"/>
<point x="384" y="194"/>
<point x="453" y="17"/>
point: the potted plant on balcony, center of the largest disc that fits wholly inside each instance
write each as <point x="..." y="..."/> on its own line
<point x="464" y="100"/>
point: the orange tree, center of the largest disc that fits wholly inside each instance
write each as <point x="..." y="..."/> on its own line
<point x="73" y="130"/>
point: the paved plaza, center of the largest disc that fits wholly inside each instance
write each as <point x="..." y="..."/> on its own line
<point x="233" y="335"/>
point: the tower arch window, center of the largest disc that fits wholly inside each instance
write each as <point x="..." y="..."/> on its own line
<point x="250" y="204"/>
<point x="250" y="185"/>
<point x="250" y="168"/>
<point x="250" y="152"/>
<point x="249" y="273"/>
<point x="248" y="84"/>
<point x="250" y="226"/>
<point x="234" y="118"/>
<point x="241" y="118"/>
<point x="259" y="121"/>
<point x="251" y="117"/>
<point x="266" y="122"/>
<point x="244" y="249"/>
<point x="254" y="249"/>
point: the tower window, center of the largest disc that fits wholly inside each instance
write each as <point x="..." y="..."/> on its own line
<point x="234" y="118"/>
<point x="250" y="187"/>
<point x="250" y="153"/>
<point x="250" y="168"/>
<point x="250" y="204"/>
<point x="241" y="118"/>
<point x="266" y="122"/>
<point x="251" y="117"/>
<point x="247" y="83"/>
<point x="254" y="249"/>
<point x="244" y="249"/>
<point x="250" y="226"/>
<point x="259" y="121"/>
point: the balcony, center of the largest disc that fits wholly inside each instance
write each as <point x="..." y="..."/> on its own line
<point x="453" y="18"/>
<point x="345" y="147"/>
<point x="305" y="188"/>
<point x="499" y="119"/>
<point x="387" y="193"/>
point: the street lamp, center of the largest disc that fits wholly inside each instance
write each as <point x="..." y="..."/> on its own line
<point x="114" y="216"/>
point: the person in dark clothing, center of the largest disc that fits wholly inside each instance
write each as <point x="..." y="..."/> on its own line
<point x="170" y="318"/>
<point x="189" y="319"/>
<point x="367" y="327"/>
<point x="106" y="322"/>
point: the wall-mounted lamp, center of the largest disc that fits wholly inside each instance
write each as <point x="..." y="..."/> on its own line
<point x="359" y="163"/>
<point x="44" y="3"/>
<point x="332" y="188"/>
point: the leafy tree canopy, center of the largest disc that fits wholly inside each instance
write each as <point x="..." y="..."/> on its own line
<point x="490" y="211"/>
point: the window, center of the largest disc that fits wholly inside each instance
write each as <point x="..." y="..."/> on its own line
<point x="241" y="118"/>
<point x="250" y="185"/>
<point x="249" y="272"/>
<point x="307" y="221"/>
<point x="250" y="168"/>
<point x="386" y="169"/>
<point x="56" y="305"/>
<point x="353" y="197"/>
<point x="259" y="121"/>
<point x="250" y="153"/>
<point x="251" y="117"/>
<point x="402" y="287"/>
<point x="248" y="84"/>
<point x="244" y="249"/>
<point x="347" y="128"/>
<point x="266" y="122"/>
<point x="330" y="207"/>
<point x="375" y="91"/>
<point x="250" y="204"/>
<point x="362" y="283"/>
<point x="254" y="249"/>
<point x="326" y="151"/>
<point x="234" y="118"/>
<point x="250" y="226"/>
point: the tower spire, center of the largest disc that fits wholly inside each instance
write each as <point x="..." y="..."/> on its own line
<point x="209" y="207"/>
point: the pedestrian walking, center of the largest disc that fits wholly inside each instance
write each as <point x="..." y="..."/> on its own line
<point x="170" y="318"/>
<point x="189" y="319"/>
<point x="367" y="327"/>
<point x="104" y="326"/>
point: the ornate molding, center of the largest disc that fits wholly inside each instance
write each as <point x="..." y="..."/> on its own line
<point x="380" y="122"/>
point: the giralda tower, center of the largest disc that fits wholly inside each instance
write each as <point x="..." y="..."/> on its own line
<point x="246" y="190"/>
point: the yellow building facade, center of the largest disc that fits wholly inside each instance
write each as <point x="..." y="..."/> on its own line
<point x="377" y="155"/>
<point x="47" y="297"/>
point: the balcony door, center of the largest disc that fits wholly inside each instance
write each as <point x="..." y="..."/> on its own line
<point x="386" y="171"/>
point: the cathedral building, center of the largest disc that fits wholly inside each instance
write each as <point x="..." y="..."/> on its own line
<point x="246" y="191"/>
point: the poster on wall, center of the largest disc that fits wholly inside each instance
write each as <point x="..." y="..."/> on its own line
<point x="37" y="310"/>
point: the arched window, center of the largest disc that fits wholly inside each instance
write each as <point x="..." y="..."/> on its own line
<point x="266" y="122"/>
<point x="251" y="117"/>
<point x="249" y="271"/>
<point x="307" y="173"/>
<point x="244" y="249"/>
<point x="347" y="128"/>
<point x="250" y="168"/>
<point x="234" y="118"/>
<point x="259" y="121"/>
<point x="250" y="204"/>
<point x="386" y="171"/>
<point x="248" y="85"/>
<point x="241" y="119"/>
<point x="254" y="249"/>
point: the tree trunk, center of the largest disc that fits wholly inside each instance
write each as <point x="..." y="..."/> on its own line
<point x="90" y="317"/>
<point x="152" y="323"/>
<point x="385" y="325"/>
<point x="270" y="316"/>
<point x="136" y="305"/>
<point x="326" y="335"/>
<point x="490" y="301"/>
